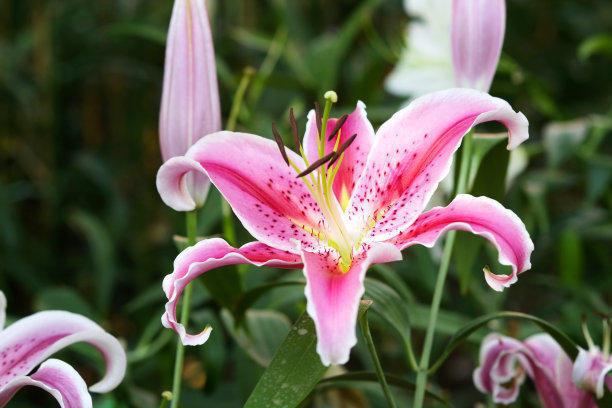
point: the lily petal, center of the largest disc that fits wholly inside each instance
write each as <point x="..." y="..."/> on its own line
<point x="355" y="156"/>
<point x="552" y="374"/>
<point x="333" y="297"/>
<point x="2" y="309"/>
<point x="590" y="371"/>
<point x="29" y="341"/>
<point x="482" y="216"/>
<point x="272" y="204"/>
<point x="210" y="254"/>
<point x="413" y="152"/>
<point x="58" y="379"/>
<point x="477" y="36"/>
<point x="190" y="99"/>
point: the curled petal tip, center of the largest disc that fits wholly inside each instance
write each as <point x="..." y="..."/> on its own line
<point x="182" y="183"/>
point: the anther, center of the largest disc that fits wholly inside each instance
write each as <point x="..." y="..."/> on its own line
<point x="294" y="130"/>
<point x="339" y="125"/>
<point x="316" y="165"/>
<point x="318" y="116"/>
<point x="342" y="148"/>
<point x="280" y="144"/>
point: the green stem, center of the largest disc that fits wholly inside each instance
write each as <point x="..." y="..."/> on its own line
<point x="191" y="220"/>
<point x="365" y="330"/>
<point x="239" y="97"/>
<point x="421" y="380"/>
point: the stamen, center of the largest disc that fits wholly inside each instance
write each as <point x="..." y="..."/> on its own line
<point x="339" y="124"/>
<point x="279" y="142"/>
<point x="318" y="116"/>
<point x="294" y="130"/>
<point x="316" y="165"/>
<point x="587" y="334"/>
<point x="341" y="150"/>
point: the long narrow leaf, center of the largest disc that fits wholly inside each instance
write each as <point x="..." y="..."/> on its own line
<point x="295" y="369"/>
<point x="564" y="341"/>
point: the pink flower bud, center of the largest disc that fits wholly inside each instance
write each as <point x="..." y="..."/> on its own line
<point x="477" y="36"/>
<point x="190" y="99"/>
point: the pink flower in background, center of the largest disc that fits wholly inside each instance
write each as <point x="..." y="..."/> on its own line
<point x="27" y="343"/>
<point x="592" y="366"/>
<point x="358" y="200"/>
<point x="505" y="362"/>
<point x="190" y="99"/>
<point x="477" y="37"/>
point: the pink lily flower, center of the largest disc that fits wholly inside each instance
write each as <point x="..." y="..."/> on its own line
<point x="358" y="200"/>
<point x="190" y="98"/>
<point x="30" y="341"/>
<point x="505" y="362"/>
<point x="593" y="366"/>
<point x="478" y="28"/>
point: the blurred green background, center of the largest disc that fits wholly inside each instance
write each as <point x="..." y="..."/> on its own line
<point x="83" y="229"/>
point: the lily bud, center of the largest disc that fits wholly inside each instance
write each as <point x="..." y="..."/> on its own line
<point x="478" y="28"/>
<point x="190" y="99"/>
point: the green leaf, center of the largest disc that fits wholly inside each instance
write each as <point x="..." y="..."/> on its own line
<point x="261" y="334"/>
<point x="248" y="298"/>
<point x="295" y="369"/>
<point x="392" y="309"/>
<point x="564" y="341"/>
<point x="366" y="376"/>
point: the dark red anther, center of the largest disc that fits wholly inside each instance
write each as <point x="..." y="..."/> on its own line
<point x="280" y="144"/>
<point x="318" y="116"/>
<point x="316" y="165"/>
<point x="341" y="150"/>
<point x="338" y="126"/>
<point x="294" y="129"/>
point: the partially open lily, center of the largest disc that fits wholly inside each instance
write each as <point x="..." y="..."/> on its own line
<point x="27" y="343"/>
<point x="505" y="362"/>
<point x="359" y="200"/>
<point x="593" y="366"/>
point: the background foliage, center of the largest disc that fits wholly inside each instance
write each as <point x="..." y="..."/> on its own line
<point x="82" y="227"/>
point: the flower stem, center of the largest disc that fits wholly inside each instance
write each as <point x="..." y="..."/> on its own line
<point x="365" y="330"/>
<point x="191" y="220"/>
<point x="247" y="74"/>
<point x="421" y="380"/>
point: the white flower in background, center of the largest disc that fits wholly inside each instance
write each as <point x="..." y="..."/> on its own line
<point x="426" y="64"/>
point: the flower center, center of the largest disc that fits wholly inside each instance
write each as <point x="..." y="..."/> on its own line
<point x="319" y="177"/>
